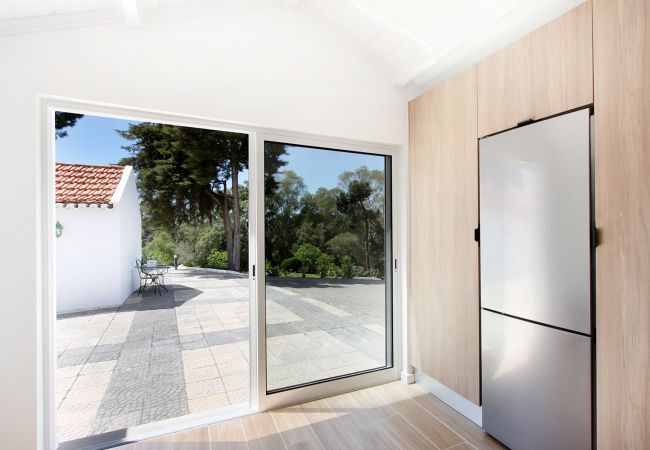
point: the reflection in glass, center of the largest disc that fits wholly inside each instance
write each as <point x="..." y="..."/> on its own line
<point x="326" y="256"/>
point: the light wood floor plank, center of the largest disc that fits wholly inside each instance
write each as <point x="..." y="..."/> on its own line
<point x="307" y="445"/>
<point x="196" y="439"/>
<point x="463" y="446"/>
<point x="375" y="406"/>
<point x="391" y="416"/>
<point x="404" y="434"/>
<point x="293" y="425"/>
<point x="428" y="425"/>
<point x="359" y="425"/>
<point x="471" y="432"/>
<point x="261" y="432"/>
<point x="324" y="421"/>
<point x="228" y="435"/>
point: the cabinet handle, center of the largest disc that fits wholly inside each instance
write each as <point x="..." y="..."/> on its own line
<point x="525" y="122"/>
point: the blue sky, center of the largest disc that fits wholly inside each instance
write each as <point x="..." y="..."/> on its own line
<point x="321" y="168"/>
<point x="93" y="140"/>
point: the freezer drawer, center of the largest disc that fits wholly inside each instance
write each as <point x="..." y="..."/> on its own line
<point x="536" y="384"/>
<point x="534" y="218"/>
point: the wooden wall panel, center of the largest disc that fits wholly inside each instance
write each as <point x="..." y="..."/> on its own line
<point x="443" y="278"/>
<point x="622" y="115"/>
<point x="546" y="72"/>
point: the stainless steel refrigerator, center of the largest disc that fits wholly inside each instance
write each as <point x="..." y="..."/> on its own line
<point x="535" y="247"/>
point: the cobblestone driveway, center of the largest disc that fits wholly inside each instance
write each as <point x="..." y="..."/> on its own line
<point x="187" y="350"/>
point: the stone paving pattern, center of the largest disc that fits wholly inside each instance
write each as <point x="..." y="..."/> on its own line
<point x="187" y="350"/>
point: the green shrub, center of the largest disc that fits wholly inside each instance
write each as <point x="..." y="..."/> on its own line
<point x="200" y="261"/>
<point x="209" y="239"/>
<point x="160" y="247"/>
<point x="309" y="255"/>
<point x="271" y="270"/>
<point x="325" y="266"/>
<point x="292" y="264"/>
<point x="372" y="273"/>
<point x="217" y="260"/>
<point x="347" y="268"/>
<point x="344" y="244"/>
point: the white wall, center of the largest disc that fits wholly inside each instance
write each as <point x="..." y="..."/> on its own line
<point x="130" y="225"/>
<point x="271" y="68"/>
<point x="88" y="259"/>
<point x="96" y="252"/>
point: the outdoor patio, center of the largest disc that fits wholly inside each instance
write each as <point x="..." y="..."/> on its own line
<point x="187" y="350"/>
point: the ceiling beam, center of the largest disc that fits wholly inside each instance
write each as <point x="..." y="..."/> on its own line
<point x="130" y="11"/>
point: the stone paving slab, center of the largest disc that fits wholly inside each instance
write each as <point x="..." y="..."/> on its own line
<point x="187" y="350"/>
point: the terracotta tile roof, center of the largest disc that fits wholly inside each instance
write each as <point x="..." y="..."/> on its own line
<point x="86" y="184"/>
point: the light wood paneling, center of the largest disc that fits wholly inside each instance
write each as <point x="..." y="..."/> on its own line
<point x="443" y="267"/>
<point x="393" y="416"/>
<point x="622" y="114"/>
<point x="546" y="72"/>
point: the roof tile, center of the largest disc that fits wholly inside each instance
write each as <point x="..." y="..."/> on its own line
<point x="86" y="184"/>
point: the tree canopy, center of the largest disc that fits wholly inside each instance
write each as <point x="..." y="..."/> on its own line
<point x="188" y="175"/>
<point x="63" y="121"/>
<point x="190" y="190"/>
<point x="345" y="224"/>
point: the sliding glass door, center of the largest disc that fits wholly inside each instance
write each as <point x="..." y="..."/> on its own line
<point x="151" y="236"/>
<point x="328" y="291"/>
<point x="241" y="271"/>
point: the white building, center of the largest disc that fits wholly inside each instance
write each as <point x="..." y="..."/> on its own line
<point x="99" y="236"/>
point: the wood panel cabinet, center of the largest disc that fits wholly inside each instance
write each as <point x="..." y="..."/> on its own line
<point x="622" y="116"/>
<point x="443" y="274"/>
<point x="544" y="73"/>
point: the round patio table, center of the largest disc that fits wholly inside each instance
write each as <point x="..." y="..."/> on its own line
<point x="156" y="274"/>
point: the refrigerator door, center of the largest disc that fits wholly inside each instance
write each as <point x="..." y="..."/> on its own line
<point x="536" y="384"/>
<point x="534" y="218"/>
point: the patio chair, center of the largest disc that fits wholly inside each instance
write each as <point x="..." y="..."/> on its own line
<point x="149" y="278"/>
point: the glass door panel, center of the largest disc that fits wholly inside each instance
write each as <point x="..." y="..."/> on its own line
<point x="328" y="252"/>
<point x="152" y="295"/>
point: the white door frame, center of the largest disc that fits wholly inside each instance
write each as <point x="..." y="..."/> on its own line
<point x="259" y="400"/>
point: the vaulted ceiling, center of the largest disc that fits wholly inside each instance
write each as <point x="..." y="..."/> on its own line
<point x="414" y="42"/>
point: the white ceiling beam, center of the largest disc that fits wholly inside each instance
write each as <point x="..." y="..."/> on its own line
<point x="130" y="11"/>
<point x="414" y="68"/>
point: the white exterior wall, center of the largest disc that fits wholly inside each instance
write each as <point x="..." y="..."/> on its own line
<point x="88" y="267"/>
<point x="130" y="225"/>
<point x="273" y="68"/>
<point x="95" y="255"/>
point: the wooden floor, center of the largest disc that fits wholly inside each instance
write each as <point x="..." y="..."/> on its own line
<point x="390" y="416"/>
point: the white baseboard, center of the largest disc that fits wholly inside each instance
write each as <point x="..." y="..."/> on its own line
<point x="461" y="404"/>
